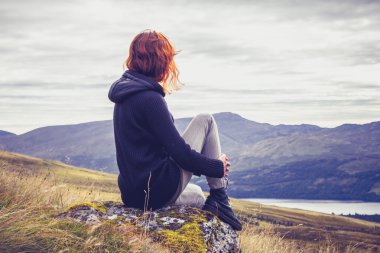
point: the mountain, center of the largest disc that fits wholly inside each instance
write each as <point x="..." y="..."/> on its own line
<point x="89" y="145"/>
<point x="5" y="133"/>
<point x="343" y="142"/>
<point x="288" y="161"/>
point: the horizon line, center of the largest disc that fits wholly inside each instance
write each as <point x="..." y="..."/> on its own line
<point x="89" y="122"/>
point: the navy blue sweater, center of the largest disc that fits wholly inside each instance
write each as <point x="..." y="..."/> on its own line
<point x="149" y="149"/>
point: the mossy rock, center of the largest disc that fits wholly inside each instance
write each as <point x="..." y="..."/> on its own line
<point x="179" y="228"/>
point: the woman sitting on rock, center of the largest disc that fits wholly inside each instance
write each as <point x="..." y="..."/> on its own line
<point x="155" y="162"/>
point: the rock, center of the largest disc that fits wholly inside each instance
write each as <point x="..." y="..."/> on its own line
<point x="181" y="228"/>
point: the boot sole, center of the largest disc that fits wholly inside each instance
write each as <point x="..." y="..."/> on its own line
<point x="223" y="217"/>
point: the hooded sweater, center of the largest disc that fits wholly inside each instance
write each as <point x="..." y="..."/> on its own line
<point x="149" y="150"/>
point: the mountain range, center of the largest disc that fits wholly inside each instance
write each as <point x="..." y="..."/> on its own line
<point x="268" y="161"/>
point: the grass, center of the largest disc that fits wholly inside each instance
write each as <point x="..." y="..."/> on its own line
<point x="32" y="190"/>
<point x="311" y="231"/>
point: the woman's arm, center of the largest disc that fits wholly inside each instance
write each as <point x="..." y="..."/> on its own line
<point x="161" y="124"/>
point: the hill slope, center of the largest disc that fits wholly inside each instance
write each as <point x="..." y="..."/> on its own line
<point x="46" y="187"/>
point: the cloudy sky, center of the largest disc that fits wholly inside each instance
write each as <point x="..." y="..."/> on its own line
<point x="288" y="62"/>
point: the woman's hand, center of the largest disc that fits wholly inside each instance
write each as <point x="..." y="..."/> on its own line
<point x="226" y="163"/>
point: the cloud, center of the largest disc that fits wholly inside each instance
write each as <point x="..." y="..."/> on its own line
<point x="321" y="11"/>
<point x="257" y="58"/>
<point x="355" y="86"/>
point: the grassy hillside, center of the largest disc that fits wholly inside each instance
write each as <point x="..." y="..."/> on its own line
<point x="31" y="190"/>
<point x="313" y="229"/>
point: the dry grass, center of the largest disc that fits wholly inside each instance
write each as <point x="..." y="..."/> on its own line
<point x="264" y="239"/>
<point x="276" y="229"/>
<point x="260" y="240"/>
<point x="30" y="196"/>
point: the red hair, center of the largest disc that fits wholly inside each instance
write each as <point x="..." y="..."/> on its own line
<point x="151" y="54"/>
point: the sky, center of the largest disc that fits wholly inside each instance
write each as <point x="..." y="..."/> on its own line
<point x="278" y="62"/>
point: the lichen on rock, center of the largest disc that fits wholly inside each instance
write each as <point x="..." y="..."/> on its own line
<point x="180" y="228"/>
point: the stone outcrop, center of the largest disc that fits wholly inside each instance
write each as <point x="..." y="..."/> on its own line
<point x="181" y="228"/>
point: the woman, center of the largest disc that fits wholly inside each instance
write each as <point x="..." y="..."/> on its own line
<point x="155" y="162"/>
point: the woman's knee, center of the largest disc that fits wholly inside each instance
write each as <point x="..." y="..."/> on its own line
<point x="204" y="117"/>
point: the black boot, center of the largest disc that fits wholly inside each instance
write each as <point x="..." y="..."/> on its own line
<point x="218" y="203"/>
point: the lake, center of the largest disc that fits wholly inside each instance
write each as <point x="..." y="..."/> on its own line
<point x="324" y="206"/>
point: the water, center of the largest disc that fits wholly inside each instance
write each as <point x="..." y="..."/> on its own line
<point x="324" y="206"/>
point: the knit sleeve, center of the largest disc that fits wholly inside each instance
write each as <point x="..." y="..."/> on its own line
<point x="161" y="124"/>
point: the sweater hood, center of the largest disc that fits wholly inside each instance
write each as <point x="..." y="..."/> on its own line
<point x="131" y="83"/>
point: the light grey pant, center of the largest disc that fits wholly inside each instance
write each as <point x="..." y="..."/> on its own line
<point x="202" y="136"/>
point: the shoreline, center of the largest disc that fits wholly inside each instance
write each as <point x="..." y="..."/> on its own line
<point x="337" y="207"/>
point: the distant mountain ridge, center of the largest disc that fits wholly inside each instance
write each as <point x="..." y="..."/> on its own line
<point x="302" y="160"/>
<point x="6" y="133"/>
